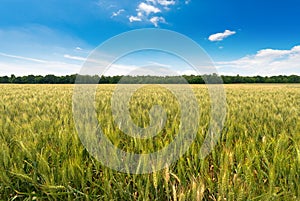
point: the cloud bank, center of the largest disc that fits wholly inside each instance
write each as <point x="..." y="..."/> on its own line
<point x="265" y="62"/>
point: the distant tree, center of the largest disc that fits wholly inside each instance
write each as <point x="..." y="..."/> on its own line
<point x="192" y="79"/>
<point x="12" y="78"/>
<point x="4" y="79"/>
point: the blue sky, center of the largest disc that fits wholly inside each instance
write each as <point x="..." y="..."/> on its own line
<point x="242" y="37"/>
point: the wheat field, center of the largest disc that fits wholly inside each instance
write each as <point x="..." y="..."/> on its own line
<point x="256" y="158"/>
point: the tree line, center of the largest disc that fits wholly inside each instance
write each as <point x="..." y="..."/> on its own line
<point x="191" y="79"/>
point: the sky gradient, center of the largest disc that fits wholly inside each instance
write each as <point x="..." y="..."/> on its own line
<point x="241" y="37"/>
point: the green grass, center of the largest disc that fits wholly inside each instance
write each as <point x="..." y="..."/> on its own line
<point x="257" y="157"/>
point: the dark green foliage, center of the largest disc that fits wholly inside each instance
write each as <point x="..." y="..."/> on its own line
<point x="191" y="79"/>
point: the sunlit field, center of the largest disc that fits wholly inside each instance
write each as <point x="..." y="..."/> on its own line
<point x="256" y="158"/>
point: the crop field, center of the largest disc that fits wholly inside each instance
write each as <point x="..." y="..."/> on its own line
<point x="257" y="156"/>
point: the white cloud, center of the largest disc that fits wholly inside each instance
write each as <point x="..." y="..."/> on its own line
<point x="24" y="68"/>
<point x="25" y="51"/>
<point x="166" y="2"/>
<point x="134" y="19"/>
<point x="139" y="14"/>
<point x="264" y="62"/>
<point x="143" y="7"/>
<point x="67" y="56"/>
<point x="115" y="14"/>
<point x="155" y="69"/>
<point x="162" y="2"/>
<point x="147" y="9"/>
<point x="119" y="69"/>
<point x="22" y="58"/>
<point x="151" y="1"/>
<point x="29" y="42"/>
<point x="271" y="53"/>
<point x="106" y="4"/>
<point x="221" y="36"/>
<point x="27" y="65"/>
<point x="144" y="11"/>
<point x="153" y="63"/>
<point x="187" y="72"/>
<point x="155" y="20"/>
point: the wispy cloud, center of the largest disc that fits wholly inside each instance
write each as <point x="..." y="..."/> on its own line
<point x="67" y="56"/>
<point x="115" y="14"/>
<point x="37" y="49"/>
<point x="221" y="36"/>
<point x="264" y="62"/>
<point x="159" y="64"/>
<point x="39" y="43"/>
<point x="155" y="20"/>
<point x="27" y="68"/>
<point x="22" y="58"/>
<point x="151" y="1"/>
<point x="21" y="65"/>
